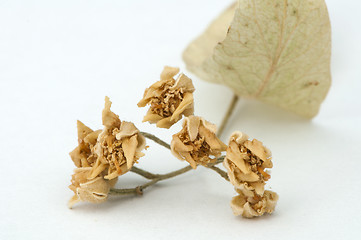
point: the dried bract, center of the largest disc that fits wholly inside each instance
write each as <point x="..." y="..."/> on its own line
<point x="196" y="142"/>
<point x="118" y="147"/>
<point x="168" y="98"/>
<point x="83" y="155"/>
<point x="278" y="52"/>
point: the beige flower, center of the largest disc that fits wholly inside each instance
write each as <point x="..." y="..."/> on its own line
<point x="254" y="206"/>
<point x="118" y="146"/>
<point x="94" y="190"/>
<point x="83" y="155"/>
<point x="196" y="142"/>
<point x="246" y="162"/>
<point x="168" y="98"/>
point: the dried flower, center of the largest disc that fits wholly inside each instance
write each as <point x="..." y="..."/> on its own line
<point x="94" y="190"/>
<point x="118" y="146"/>
<point x="255" y="205"/>
<point x="246" y="162"/>
<point x="83" y="155"/>
<point x="168" y="98"/>
<point x="196" y="142"/>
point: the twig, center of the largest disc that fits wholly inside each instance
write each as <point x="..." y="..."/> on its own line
<point x="155" y="139"/>
<point x="160" y="177"/>
<point x="143" y="173"/>
<point x="228" y="115"/>
<point x="139" y="190"/>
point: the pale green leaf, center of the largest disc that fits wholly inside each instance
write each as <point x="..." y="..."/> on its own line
<point x="277" y="51"/>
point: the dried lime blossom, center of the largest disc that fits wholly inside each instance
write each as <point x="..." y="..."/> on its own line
<point x="94" y="190"/>
<point x="83" y="155"/>
<point x="168" y="98"/>
<point x="246" y="162"/>
<point x="196" y="142"/>
<point x="255" y="205"/>
<point x="118" y="146"/>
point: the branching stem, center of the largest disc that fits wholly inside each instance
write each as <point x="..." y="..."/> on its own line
<point x="228" y="115"/>
<point x="160" y="177"/>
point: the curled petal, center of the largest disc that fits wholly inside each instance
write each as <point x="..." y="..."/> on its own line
<point x="83" y="130"/>
<point x="257" y="148"/>
<point x="169" y="72"/>
<point x="110" y="119"/>
<point x="210" y="139"/>
<point x="129" y="146"/>
<point x="183" y="82"/>
<point x="185" y="103"/>
<point x="192" y="123"/>
<point x="127" y="129"/>
<point x="92" y="137"/>
<point x="151" y="117"/>
<point x="239" y="159"/>
<point x="178" y="148"/>
<point x="165" y="122"/>
<point x="83" y="155"/>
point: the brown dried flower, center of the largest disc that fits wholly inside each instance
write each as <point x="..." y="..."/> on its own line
<point x="196" y="142"/>
<point x="94" y="190"/>
<point x="118" y="146"/>
<point x="168" y="98"/>
<point x="254" y="206"/>
<point x="83" y="155"/>
<point x="246" y="162"/>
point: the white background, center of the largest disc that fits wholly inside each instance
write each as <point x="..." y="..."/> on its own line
<point x="58" y="60"/>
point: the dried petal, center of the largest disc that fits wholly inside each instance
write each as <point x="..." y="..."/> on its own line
<point x="83" y="155"/>
<point x="110" y="119"/>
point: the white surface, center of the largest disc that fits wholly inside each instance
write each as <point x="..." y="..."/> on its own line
<point x="59" y="59"/>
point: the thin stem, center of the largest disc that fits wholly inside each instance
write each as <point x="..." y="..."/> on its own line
<point x="143" y="173"/>
<point x="219" y="160"/>
<point x="125" y="191"/>
<point x="139" y="190"/>
<point x="155" y="139"/>
<point x="220" y="172"/>
<point x="228" y="115"/>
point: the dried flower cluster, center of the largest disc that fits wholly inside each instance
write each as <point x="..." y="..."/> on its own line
<point x="168" y="98"/>
<point x="101" y="156"/>
<point x="246" y="162"/>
